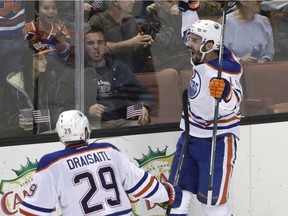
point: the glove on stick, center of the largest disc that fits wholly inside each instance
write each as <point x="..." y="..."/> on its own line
<point x="220" y="89"/>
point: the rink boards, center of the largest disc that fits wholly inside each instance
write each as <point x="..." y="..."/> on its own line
<point x="260" y="179"/>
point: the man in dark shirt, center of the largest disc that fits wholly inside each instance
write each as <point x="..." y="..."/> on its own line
<point x="109" y="87"/>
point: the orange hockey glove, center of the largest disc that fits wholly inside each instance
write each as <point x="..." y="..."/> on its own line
<point x="220" y="89"/>
<point x="185" y="5"/>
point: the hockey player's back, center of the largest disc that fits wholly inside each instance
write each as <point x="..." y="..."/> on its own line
<point x="90" y="179"/>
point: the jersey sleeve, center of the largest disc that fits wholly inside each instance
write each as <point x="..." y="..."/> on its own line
<point x="141" y="184"/>
<point x="188" y="19"/>
<point x="234" y="103"/>
<point x="35" y="203"/>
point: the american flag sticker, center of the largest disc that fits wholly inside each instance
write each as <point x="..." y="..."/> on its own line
<point x="134" y="110"/>
<point x="41" y="116"/>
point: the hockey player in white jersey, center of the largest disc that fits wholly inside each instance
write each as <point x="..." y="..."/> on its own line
<point x="202" y="39"/>
<point x="90" y="179"/>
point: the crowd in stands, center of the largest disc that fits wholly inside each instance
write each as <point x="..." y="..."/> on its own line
<point x="122" y="38"/>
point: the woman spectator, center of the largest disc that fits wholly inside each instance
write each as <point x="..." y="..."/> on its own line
<point x="44" y="28"/>
<point x="248" y="34"/>
<point x="31" y="87"/>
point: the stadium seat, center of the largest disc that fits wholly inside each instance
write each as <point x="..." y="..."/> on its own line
<point x="164" y="89"/>
<point x="184" y="78"/>
<point x="265" y="88"/>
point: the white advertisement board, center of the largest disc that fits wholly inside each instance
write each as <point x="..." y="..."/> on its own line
<point x="259" y="184"/>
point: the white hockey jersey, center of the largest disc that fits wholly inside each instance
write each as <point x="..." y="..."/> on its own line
<point x="89" y="180"/>
<point x="202" y="105"/>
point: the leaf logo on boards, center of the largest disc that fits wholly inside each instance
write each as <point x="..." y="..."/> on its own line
<point x="14" y="190"/>
<point x="158" y="164"/>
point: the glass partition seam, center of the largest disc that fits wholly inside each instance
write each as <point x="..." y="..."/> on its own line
<point x="79" y="55"/>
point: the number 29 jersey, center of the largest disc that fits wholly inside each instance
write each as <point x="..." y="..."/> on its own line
<point x="89" y="180"/>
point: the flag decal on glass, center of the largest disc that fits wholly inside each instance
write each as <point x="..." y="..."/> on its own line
<point x="41" y="116"/>
<point x="135" y="110"/>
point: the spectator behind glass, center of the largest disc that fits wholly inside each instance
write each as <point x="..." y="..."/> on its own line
<point x="273" y="5"/>
<point x="283" y="33"/>
<point x="168" y="49"/>
<point x="92" y="7"/>
<point x="12" y="21"/>
<point x="209" y="8"/>
<point x="110" y="87"/>
<point x="31" y="86"/>
<point x="47" y="30"/>
<point x="124" y="42"/>
<point x="143" y="14"/>
<point x="248" y="34"/>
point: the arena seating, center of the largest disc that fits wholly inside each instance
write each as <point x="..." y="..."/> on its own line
<point x="184" y="77"/>
<point x="164" y="89"/>
<point x="265" y="88"/>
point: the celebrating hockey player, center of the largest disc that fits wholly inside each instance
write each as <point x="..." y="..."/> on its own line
<point x="203" y="39"/>
<point x="90" y="179"/>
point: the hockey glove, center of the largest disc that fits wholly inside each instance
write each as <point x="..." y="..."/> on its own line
<point x="185" y="5"/>
<point x="175" y="196"/>
<point x="220" y="89"/>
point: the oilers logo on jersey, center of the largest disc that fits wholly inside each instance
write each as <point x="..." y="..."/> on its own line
<point x="195" y="85"/>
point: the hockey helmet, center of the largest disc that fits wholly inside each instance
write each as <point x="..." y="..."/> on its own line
<point x="208" y="30"/>
<point x="72" y="126"/>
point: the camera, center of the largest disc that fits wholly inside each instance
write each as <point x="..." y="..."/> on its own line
<point x="150" y="28"/>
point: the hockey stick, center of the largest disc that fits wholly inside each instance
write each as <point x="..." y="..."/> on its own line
<point x="185" y="144"/>
<point x="216" y="110"/>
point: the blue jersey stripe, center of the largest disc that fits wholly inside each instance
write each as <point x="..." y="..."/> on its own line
<point x="138" y="184"/>
<point x="120" y="213"/>
<point x="153" y="191"/>
<point x="36" y="208"/>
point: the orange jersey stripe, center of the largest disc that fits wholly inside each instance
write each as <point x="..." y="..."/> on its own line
<point x="219" y="121"/>
<point x="146" y="188"/>
<point x="26" y="213"/>
<point x="228" y="172"/>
